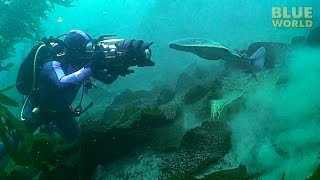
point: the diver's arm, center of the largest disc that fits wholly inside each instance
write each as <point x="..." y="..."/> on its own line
<point x="76" y="78"/>
<point x="60" y="80"/>
<point x="52" y="72"/>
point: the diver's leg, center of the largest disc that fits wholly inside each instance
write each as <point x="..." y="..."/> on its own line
<point x="32" y="123"/>
<point x="69" y="128"/>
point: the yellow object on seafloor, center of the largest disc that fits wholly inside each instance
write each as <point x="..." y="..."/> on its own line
<point x="221" y="105"/>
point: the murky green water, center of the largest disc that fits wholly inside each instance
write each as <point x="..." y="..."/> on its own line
<point x="152" y="124"/>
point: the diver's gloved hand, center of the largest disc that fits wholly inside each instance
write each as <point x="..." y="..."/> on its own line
<point x="137" y="50"/>
<point x="96" y="61"/>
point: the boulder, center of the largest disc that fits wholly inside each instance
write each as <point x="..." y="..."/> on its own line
<point x="198" y="75"/>
<point x="164" y="96"/>
<point x="195" y="94"/>
<point x="239" y="173"/>
<point x="199" y="147"/>
<point x="276" y="52"/>
<point x="132" y="98"/>
<point x="132" y="121"/>
<point x="315" y="175"/>
<point x="298" y="40"/>
<point x="313" y="38"/>
<point x="200" y="98"/>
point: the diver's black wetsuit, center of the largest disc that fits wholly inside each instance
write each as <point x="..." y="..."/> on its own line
<point x="59" y="83"/>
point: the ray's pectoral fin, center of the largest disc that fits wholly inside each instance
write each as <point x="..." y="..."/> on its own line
<point x="258" y="59"/>
<point x="208" y="53"/>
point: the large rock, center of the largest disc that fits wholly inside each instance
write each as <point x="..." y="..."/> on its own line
<point x="140" y="165"/>
<point x="198" y="75"/>
<point x="165" y="95"/>
<point x="200" y="98"/>
<point x="132" y="98"/>
<point x="298" y="41"/>
<point x="199" y="147"/>
<point x="132" y="121"/>
<point x="315" y="175"/>
<point x="239" y="173"/>
<point x="195" y="94"/>
<point x="313" y="38"/>
<point x="276" y="52"/>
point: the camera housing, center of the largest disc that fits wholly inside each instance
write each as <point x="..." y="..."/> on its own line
<point x="107" y="46"/>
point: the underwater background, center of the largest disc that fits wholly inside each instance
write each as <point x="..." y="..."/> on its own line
<point x="275" y="133"/>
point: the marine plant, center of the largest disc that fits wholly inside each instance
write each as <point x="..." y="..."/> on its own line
<point x="22" y="20"/>
<point x="42" y="153"/>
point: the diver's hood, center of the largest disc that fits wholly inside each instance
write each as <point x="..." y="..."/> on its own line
<point x="77" y="40"/>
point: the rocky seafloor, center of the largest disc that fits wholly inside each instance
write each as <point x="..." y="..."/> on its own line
<point x="184" y="131"/>
<point x="180" y="131"/>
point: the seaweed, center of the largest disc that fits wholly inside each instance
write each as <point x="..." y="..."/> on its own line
<point x="22" y="20"/>
<point x="44" y="153"/>
<point x="129" y="112"/>
<point x="316" y="174"/>
<point x="7" y="101"/>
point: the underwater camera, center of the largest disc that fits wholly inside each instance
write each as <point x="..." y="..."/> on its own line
<point x="117" y="57"/>
<point x="114" y="59"/>
<point x="113" y="56"/>
<point x="104" y="44"/>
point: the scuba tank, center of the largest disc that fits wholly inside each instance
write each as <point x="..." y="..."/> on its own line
<point x="27" y="78"/>
<point x="30" y="67"/>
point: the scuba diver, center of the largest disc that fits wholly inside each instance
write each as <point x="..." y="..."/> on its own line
<point x="54" y="71"/>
